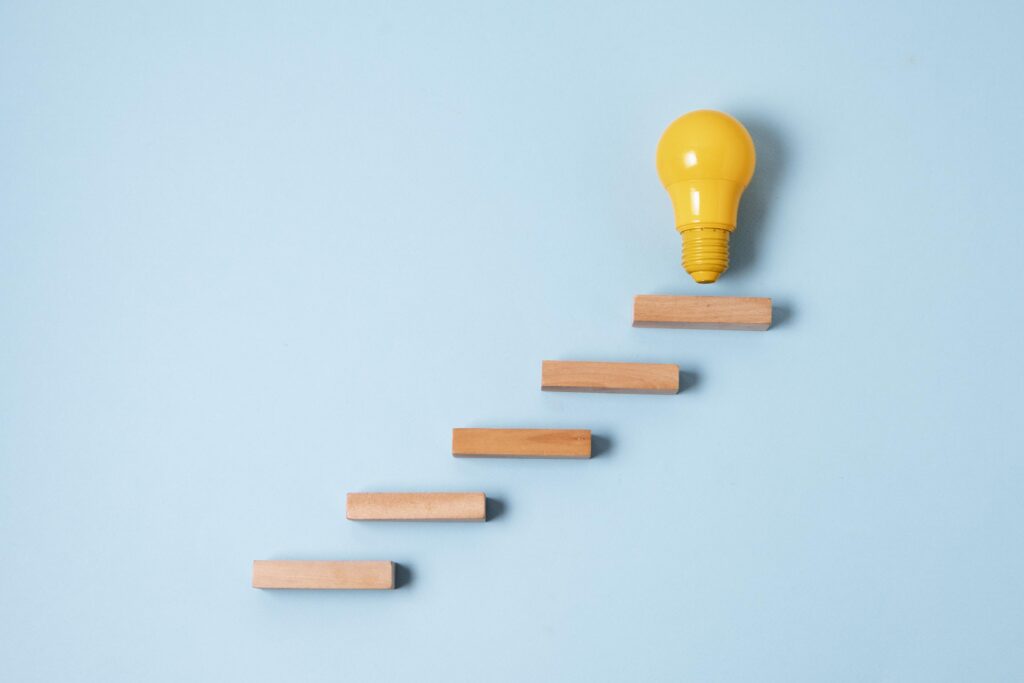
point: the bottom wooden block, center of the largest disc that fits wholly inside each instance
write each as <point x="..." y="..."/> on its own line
<point x="324" y="575"/>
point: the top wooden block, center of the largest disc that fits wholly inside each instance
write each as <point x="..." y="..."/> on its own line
<point x="702" y="312"/>
<point x="619" y="378"/>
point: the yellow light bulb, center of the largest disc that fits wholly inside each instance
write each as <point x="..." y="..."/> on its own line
<point x="705" y="160"/>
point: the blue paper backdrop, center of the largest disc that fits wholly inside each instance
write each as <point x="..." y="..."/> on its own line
<point x="256" y="255"/>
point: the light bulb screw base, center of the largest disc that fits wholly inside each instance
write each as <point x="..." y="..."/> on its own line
<point x="705" y="252"/>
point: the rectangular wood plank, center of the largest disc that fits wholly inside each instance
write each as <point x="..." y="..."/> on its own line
<point x="324" y="575"/>
<point x="521" y="443"/>
<point x="438" y="507"/>
<point x="625" y="378"/>
<point x="702" y="312"/>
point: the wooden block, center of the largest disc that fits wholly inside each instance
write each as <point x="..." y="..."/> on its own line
<point x="521" y="443"/>
<point x="351" y="575"/>
<point x="438" y="507"/>
<point x="622" y="378"/>
<point x="702" y="312"/>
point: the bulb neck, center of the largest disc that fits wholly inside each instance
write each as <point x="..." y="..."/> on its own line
<point x="705" y="253"/>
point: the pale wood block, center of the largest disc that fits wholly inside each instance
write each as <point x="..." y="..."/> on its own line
<point x="702" y="312"/>
<point x="521" y="443"/>
<point x="438" y="507"/>
<point x="622" y="378"/>
<point x="342" y="575"/>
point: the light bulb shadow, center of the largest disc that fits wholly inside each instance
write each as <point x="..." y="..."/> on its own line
<point x="756" y="204"/>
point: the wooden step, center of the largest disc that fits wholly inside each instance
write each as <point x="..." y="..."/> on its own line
<point x="623" y="378"/>
<point x="435" y="507"/>
<point x="324" y="575"/>
<point x="702" y="312"/>
<point x="521" y="443"/>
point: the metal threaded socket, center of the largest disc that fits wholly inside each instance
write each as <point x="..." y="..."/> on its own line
<point x="705" y="253"/>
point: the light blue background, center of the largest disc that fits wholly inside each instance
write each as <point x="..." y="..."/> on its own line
<point x="254" y="256"/>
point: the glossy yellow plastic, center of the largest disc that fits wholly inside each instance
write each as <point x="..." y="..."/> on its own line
<point x="705" y="161"/>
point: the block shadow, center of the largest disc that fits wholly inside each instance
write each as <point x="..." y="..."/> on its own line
<point x="687" y="380"/>
<point x="494" y="508"/>
<point x="403" y="575"/>
<point x="782" y="314"/>
<point x="599" y="445"/>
